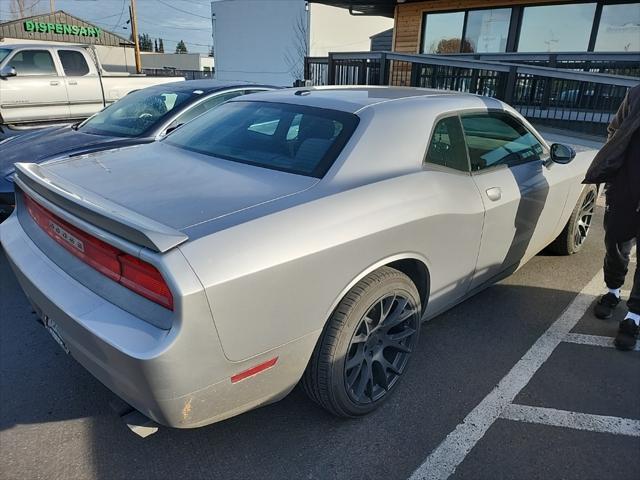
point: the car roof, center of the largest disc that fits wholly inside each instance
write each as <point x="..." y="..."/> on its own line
<point x="206" y="85"/>
<point x="354" y="98"/>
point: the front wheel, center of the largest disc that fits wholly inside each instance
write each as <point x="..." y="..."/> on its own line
<point x="575" y="232"/>
<point x="366" y="345"/>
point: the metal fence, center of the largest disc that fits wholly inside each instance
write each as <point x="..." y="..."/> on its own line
<point x="170" y="72"/>
<point x="564" y="96"/>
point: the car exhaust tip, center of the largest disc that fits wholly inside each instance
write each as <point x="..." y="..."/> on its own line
<point x="136" y="421"/>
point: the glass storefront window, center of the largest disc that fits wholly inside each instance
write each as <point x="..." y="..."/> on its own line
<point x="556" y="28"/>
<point x="619" y="29"/>
<point x="442" y="32"/>
<point x="487" y="30"/>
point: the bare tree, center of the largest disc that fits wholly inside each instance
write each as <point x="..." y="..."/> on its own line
<point x="22" y="8"/>
<point x="294" y="55"/>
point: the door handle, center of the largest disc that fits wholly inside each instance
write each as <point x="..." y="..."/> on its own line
<point x="54" y="83"/>
<point x="494" y="194"/>
<point x="72" y="82"/>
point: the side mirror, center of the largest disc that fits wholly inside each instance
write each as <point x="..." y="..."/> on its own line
<point x="562" y="154"/>
<point x="7" y="71"/>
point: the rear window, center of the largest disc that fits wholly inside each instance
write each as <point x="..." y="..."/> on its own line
<point x="134" y="114"/>
<point x="291" y="138"/>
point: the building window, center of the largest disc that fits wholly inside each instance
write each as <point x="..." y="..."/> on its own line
<point x="556" y="28"/>
<point x="487" y="30"/>
<point x="619" y="29"/>
<point x="442" y="32"/>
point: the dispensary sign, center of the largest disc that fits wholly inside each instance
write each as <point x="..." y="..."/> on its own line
<point x="61" y="29"/>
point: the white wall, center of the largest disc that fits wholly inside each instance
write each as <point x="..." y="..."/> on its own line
<point x="257" y="40"/>
<point x="336" y="30"/>
<point x="179" y="61"/>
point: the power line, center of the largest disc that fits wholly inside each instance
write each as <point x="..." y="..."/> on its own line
<point x="120" y="17"/>
<point x="181" y="28"/>
<point x="183" y="11"/>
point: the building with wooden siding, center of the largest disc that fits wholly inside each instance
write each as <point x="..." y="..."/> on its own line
<point x="500" y="26"/>
<point x="115" y="52"/>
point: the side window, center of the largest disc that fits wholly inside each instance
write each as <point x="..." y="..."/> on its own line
<point x="73" y="63"/>
<point x="218" y="99"/>
<point x="498" y="139"/>
<point x="33" y="62"/>
<point x="447" y="145"/>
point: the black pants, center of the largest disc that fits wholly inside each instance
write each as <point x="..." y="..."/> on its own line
<point x="616" y="265"/>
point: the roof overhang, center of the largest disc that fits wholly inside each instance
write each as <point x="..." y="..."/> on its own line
<point x="364" y="7"/>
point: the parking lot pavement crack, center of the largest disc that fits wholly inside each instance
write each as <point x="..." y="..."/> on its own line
<point x="575" y="420"/>
<point x="443" y="461"/>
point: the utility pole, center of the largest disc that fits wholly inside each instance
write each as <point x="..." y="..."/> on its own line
<point x="52" y="5"/>
<point x="134" y="34"/>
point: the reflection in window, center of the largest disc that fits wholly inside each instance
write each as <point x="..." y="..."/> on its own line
<point x="556" y="28"/>
<point x="498" y="139"/>
<point x="33" y="62"/>
<point x="619" y="29"/>
<point x="443" y="33"/>
<point x="487" y="30"/>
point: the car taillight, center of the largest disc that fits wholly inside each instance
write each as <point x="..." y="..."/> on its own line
<point x="131" y="272"/>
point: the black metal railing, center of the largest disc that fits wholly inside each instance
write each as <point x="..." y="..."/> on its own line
<point x="571" y="98"/>
<point x="171" y="72"/>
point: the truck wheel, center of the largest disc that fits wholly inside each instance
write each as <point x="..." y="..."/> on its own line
<point x="366" y="345"/>
<point x="575" y="232"/>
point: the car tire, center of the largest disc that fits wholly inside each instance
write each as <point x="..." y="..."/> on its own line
<point x="575" y="232"/>
<point x="366" y="345"/>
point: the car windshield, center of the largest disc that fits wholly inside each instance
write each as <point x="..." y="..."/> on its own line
<point x="3" y="53"/>
<point x="286" y="137"/>
<point x="134" y="114"/>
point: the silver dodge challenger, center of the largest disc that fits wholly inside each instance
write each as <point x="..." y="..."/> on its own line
<point x="293" y="236"/>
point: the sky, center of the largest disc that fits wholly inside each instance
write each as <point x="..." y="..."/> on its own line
<point x="333" y="29"/>
<point x="171" y="20"/>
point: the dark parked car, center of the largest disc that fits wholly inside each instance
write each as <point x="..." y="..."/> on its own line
<point x="141" y="117"/>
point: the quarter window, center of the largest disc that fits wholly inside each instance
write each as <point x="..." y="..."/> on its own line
<point x="498" y="139"/>
<point x="33" y="62"/>
<point x="73" y="63"/>
<point x="447" y="145"/>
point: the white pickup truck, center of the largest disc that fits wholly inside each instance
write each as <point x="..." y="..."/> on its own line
<point x="44" y="83"/>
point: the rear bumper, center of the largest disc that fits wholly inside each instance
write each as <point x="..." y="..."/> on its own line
<point x="178" y="377"/>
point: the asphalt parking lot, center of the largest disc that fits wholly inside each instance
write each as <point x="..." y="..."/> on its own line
<point x="519" y="382"/>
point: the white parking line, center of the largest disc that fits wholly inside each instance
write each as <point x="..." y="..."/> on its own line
<point x="579" y="421"/>
<point x="444" y="460"/>
<point x="593" y="340"/>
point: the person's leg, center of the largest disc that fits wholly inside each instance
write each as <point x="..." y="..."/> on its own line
<point x="628" y="329"/>
<point x="616" y="264"/>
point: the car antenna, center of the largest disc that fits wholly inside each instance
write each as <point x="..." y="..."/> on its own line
<point x="302" y="92"/>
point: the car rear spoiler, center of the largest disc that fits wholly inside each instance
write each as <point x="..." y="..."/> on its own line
<point x="97" y="210"/>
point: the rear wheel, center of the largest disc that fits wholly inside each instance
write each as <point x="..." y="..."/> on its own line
<point x="575" y="233"/>
<point x="366" y="345"/>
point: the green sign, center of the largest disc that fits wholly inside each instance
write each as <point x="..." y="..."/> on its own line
<point x="61" y="29"/>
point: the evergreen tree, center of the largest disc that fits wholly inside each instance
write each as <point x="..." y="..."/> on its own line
<point x="146" y="45"/>
<point x="181" y="47"/>
<point x="160" y="46"/>
<point x="155" y="45"/>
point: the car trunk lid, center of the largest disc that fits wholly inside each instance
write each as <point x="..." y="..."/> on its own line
<point x="150" y="194"/>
